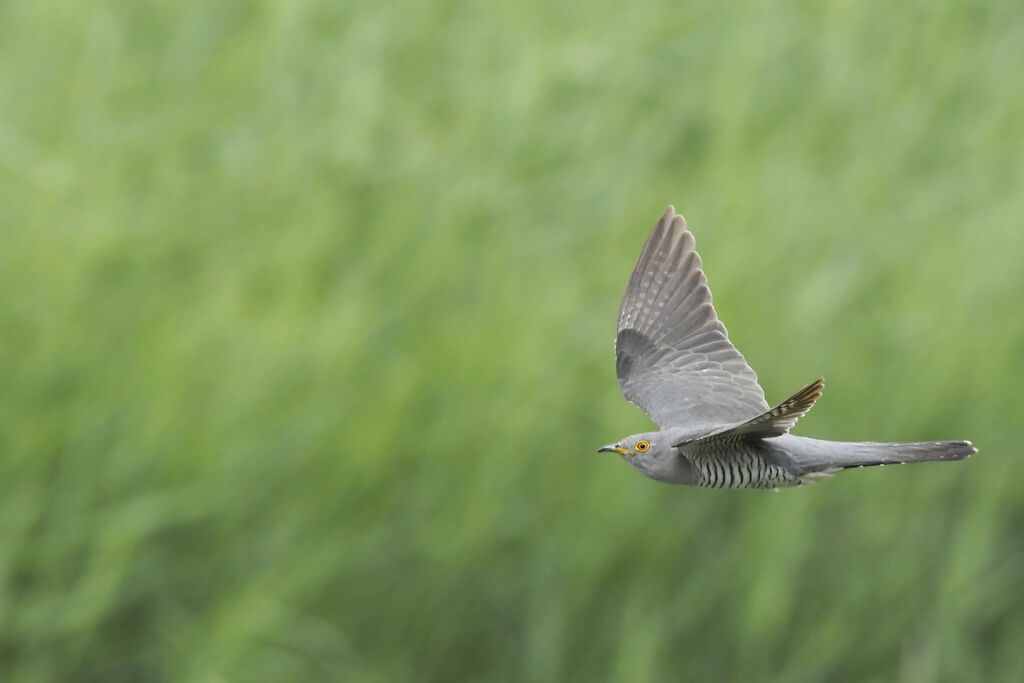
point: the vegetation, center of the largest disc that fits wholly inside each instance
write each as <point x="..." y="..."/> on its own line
<point x="306" y="338"/>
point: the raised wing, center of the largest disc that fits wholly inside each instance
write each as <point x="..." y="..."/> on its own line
<point x="673" y="356"/>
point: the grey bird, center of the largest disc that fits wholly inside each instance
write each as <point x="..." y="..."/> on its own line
<point x="675" y="362"/>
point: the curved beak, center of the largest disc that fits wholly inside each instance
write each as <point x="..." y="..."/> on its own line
<point x="612" y="448"/>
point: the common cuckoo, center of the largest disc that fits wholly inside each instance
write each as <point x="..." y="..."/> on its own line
<point x="674" y="360"/>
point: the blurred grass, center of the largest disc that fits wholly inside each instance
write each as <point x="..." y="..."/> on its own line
<point x="306" y="338"/>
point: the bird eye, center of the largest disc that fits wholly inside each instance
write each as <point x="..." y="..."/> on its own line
<point x="642" y="446"/>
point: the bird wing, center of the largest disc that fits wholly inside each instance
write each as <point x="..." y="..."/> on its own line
<point x="673" y="356"/>
<point x="775" y="422"/>
<point x="783" y="417"/>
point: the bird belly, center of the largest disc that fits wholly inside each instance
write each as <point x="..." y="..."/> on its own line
<point x="733" y="461"/>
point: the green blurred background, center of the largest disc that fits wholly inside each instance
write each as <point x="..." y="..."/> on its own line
<point x="306" y="338"/>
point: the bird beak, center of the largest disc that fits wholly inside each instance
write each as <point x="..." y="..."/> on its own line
<point x="612" y="448"/>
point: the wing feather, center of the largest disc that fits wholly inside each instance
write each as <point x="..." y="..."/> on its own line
<point x="673" y="355"/>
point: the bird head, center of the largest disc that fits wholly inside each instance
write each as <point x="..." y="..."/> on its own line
<point x="651" y="452"/>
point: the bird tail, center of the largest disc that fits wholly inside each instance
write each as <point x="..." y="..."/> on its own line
<point x="813" y="459"/>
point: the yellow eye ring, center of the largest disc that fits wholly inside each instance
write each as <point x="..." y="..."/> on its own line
<point x="642" y="446"/>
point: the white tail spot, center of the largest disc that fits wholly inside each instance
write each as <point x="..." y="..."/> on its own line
<point x="812" y="477"/>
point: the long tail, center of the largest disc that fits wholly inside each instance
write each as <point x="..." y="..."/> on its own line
<point x="810" y="456"/>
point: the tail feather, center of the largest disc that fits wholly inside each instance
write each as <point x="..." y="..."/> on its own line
<point x="808" y="456"/>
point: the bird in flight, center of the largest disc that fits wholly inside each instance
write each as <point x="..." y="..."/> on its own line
<point x="675" y="362"/>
